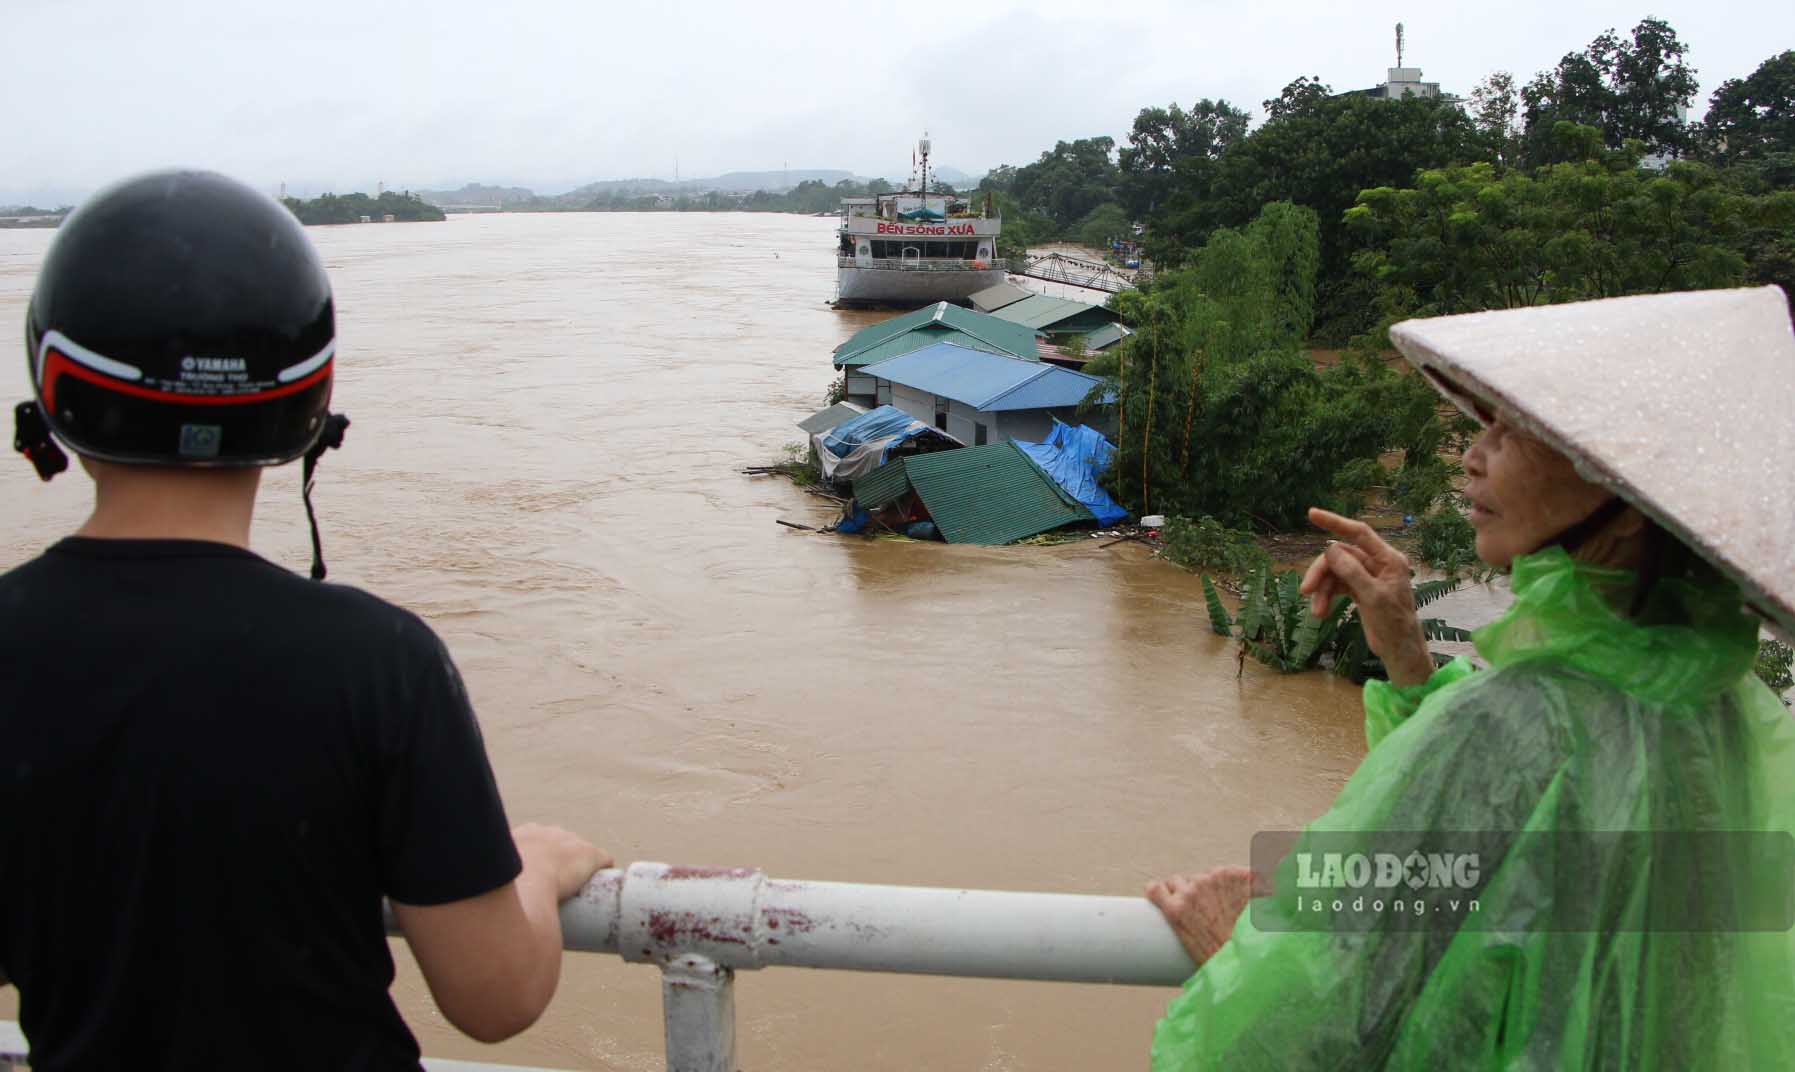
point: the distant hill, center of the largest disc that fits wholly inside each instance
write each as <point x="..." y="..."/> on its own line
<point x="738" y="184"/>
<point x="746" y="182"/>
<point x="637" y="186"/>
<point x="735" y="182"/>
<point x="476" y="194"/>
<point x="955" y="177"/>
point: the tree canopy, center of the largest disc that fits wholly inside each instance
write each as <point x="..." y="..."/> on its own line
<point x="1166" y="140"/>
<point x="1628" y="88"/>
<point x="1754" y="117"/>
<point x="1221" y="412"/>
<point x="1318" y="151"/>
<point x="1469" y="238"/>
<point x="350" y="208"/>
<point x="1068" y="181"/>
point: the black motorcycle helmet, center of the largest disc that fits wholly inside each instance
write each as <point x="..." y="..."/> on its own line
<point x="181" y="318"/>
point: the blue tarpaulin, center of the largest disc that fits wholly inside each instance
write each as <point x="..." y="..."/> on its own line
<point x="886" y="422"/>
<point x="857" y="446"/>
<point x="1075" y="457"/>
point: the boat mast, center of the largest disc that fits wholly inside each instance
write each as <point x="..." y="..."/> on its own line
<point x="923" y="147"/>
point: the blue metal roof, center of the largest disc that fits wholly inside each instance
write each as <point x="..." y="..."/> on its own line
<point x="988" y="382"/>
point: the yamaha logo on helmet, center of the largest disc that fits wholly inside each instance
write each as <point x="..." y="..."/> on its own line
<point x="124" y="371"/>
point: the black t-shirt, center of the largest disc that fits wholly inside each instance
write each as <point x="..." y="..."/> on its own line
<point x="210" y="771"/>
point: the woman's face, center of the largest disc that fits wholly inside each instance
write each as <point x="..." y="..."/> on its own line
<point x="1522" y="493"/>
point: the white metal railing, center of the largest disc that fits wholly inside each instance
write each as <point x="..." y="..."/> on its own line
<point x="913" y="264"/>
<point x="701" y="925"/>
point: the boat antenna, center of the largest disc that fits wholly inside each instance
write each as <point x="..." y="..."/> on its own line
<point x="923" y="146"/>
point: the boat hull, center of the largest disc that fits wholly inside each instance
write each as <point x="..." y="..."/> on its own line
<point x="910" y="287"/>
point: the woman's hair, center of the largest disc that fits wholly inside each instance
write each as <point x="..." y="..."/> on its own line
<point x="1662" y="557"/>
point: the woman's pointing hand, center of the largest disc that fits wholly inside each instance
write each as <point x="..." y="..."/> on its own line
<point x="1376" y="576"/>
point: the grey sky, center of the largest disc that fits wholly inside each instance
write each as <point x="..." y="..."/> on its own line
<point x="329" y="94"/>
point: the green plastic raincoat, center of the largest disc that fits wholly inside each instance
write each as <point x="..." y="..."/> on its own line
<point x="1586" y="721"/>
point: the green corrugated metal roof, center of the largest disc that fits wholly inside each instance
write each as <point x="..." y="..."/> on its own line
<point x="915" y="340"/>
<point x="990" y="495"/>
<point x="885" y="484"/>
<point x="1106" y="336"/>
<point x="934" y="323"/>
<point x="1043" y="313"/>
<point x="824" y="419"/>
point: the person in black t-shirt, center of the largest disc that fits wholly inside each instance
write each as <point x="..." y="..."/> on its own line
<point x="211" y="770"/>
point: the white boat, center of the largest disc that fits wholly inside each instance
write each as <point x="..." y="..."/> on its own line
<point x="916" y="246"/>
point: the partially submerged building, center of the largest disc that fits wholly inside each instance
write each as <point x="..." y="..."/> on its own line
<point x="927" y="326"/>
<point x="979" y="397"/>
<point x="854" y="447"/>
<point x="991" y="495"/>
<point x="997" y="493"/>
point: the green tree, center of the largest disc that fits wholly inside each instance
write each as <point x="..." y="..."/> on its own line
<point x="1317" y="151"/>
<point x="350" y="208"/>
<point x="1753" y="117"/>
<point x="1495" y="109"/>
<point x="1165" y="140"/>
<point x="1470" y="238"/>
<point x="1628" y="88"/>
<point x="1021" y="228"/>
<point x="1104" y="223"/>
<point x="1068" y="181"/>
<point x="1221" y="412"/>
<point x="1304" y="96"/>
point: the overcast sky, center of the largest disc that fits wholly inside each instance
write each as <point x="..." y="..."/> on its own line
<point x="330" y="94"/>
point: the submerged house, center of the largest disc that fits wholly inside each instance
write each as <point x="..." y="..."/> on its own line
<point x="927" y="326"/>
<point x="979" y="397"/>
<point x="991" y="495"/>
<point x="997" y="493"/>
<point x="849" y="449"/>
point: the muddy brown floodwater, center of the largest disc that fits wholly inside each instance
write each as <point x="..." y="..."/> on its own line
<point x="551" y="412"/>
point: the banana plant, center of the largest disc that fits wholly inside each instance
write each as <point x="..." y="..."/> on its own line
<point x="1275" y="626"/>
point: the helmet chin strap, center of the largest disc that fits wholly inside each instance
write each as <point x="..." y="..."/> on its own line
<point x="329" y="438"/>
<point x="1576" y="535"/>
<point x="31" y="437"/>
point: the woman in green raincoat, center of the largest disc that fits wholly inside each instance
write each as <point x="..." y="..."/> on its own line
<point x="1580" y="857"/>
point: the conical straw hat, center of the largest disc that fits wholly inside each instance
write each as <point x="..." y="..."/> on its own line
<point x="1681" y="404"/>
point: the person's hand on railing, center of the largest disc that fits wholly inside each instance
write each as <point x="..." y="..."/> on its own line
<point x="570" y="859"/>
<point x="492" y="960"/>
<point x="1377" y="577"/>
<point x="1202" y="909"/>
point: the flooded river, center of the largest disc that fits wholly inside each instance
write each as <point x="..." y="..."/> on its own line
<point x="551" y="414"/>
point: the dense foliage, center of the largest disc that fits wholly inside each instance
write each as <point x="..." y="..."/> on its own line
<point x="1579" y="165"/>
<point x="1319" y="151"/>
<point x="350" y="208"/>
<point x="1170" y="147"/>
<point x="1469" y="238"/>
<point x="1773" y="666"/>
<point x="1221" y="411"/>
<point x="1753" y="117"/>
<point x="1629" y="89"/>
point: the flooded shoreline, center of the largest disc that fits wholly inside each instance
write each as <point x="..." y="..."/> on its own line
<point x="551" y="414"/>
